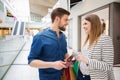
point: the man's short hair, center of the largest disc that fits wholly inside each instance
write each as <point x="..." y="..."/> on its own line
<point x="58" y="12"/>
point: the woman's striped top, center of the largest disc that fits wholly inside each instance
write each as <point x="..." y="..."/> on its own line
<point x="100" y="61"/>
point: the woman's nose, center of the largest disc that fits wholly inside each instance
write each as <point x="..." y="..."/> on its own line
<point x="83" y="27"/>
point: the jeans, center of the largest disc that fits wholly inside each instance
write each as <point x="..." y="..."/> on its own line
<point x="82" y="77"/>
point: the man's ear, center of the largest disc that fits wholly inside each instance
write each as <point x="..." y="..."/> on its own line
<point x="57" y="18"/>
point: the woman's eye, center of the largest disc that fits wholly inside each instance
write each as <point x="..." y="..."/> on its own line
<point x="84" y="23"/>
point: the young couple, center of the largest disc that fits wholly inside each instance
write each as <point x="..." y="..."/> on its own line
<point x="49" y="50"/>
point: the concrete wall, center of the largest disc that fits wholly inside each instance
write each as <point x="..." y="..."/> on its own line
<point x="80" y="9"/>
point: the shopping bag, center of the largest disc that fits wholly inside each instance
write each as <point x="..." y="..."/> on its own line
<point x="68" y="74"/>
<point x="75" y="68"/>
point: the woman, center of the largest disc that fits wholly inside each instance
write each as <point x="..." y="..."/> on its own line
<point x="96" y="58"/>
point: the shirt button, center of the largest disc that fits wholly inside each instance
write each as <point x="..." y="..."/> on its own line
<point x="83" y="76"/>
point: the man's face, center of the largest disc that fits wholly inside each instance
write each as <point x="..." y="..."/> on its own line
<point x="63" y="22"/>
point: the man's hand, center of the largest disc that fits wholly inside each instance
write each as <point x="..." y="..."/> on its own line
<point x="59" y="65"/>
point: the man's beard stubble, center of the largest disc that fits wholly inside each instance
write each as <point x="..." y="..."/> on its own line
<point x="61" y="28"/>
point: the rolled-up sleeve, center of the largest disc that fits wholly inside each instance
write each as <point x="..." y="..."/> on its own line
<point x="35" y="50"/>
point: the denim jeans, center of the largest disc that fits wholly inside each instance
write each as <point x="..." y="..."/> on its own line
<point x="82" y="77"/>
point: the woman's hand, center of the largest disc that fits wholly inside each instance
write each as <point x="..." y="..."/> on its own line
<point x="82" y="58"/>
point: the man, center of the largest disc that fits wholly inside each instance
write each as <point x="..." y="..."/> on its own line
<point x="49" y="47"/>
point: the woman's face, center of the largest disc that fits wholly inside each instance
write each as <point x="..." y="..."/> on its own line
<point x="87" y="26"/>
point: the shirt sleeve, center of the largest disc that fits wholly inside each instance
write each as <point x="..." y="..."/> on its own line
<point x="107" y="55"/>
<point x="36" y="48"/>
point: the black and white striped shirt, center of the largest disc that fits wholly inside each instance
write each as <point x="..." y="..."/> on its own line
<point x="100" y="61"/>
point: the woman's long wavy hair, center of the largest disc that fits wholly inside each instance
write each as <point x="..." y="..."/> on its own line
<point x="96" y="29"/>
